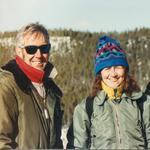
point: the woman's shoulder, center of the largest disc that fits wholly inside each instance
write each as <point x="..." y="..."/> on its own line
<point x="81" y="104"/>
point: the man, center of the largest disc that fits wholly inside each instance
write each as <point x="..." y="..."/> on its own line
<point x="30" y="114"/>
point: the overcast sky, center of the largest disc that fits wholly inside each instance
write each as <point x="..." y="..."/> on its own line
<point x="83" y="15"/>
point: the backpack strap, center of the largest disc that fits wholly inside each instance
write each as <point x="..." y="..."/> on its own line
<point x="70" y="135"/>
<point x="140" y="103"/>
<point x="89" y="107"/>
<point x="89" y="110"/>
<point x="147" y="91"/>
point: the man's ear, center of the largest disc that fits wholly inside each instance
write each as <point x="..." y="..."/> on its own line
<point x="19" y="52"/>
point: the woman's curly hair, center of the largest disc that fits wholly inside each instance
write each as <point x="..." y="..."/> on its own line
<point x="129" y="87"/>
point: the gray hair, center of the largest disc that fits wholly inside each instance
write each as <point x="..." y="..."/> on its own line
<point x="32" y="28"/>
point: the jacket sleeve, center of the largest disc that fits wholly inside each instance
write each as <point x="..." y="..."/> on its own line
<point x="80" y="125"/>
<point x="146" y="118"/>
<point x="7" y="118"/>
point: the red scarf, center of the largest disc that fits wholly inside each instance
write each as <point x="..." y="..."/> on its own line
<point x="33" y="74"/>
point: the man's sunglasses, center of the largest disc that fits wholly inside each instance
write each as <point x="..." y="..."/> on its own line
<point x="32" y="49"/>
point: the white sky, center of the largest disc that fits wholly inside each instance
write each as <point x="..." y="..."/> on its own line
<point x="83" y="15"/>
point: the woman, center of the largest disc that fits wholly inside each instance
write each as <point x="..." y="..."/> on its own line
<point x="117" y="121"/>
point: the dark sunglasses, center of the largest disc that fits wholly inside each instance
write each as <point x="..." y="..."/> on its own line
<point x="32" y="49"/>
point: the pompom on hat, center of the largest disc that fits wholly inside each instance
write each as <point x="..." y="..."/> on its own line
<point x="109" y="53"/>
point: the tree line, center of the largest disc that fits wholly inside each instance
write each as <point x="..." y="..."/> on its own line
<point x="76" y="66"/>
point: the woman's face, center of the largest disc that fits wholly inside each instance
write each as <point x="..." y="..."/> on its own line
<point x="113" y="76"/>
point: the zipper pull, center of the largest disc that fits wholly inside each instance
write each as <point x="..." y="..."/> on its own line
<point x="45" y="110"/>
<point x="115" y="93"/>
<point x="46" y="113"/>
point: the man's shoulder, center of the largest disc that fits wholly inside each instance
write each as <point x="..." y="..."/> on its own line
<point x="5" y="75"/>
<point x="7" y="83"/>
<point x="5" y="71"/>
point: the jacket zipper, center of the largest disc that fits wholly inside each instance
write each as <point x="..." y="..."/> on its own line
<point x="45" y="107"/>
<point x="46" y="114"/>
<point x="118" y="133"/>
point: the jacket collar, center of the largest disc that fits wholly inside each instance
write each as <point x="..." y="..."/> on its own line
<point x="135" y="96"/>
<point x="24" y="83"/>
<point x="102" y="97"/>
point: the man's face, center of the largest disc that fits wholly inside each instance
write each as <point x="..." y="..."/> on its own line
<point x="37" y="60"/>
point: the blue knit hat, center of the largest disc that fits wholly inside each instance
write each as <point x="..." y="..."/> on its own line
<point x="109" y="53"/>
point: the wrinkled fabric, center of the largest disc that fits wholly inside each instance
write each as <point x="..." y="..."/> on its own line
<point x="115" y="124"/>
<point x="23" y="123"/>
